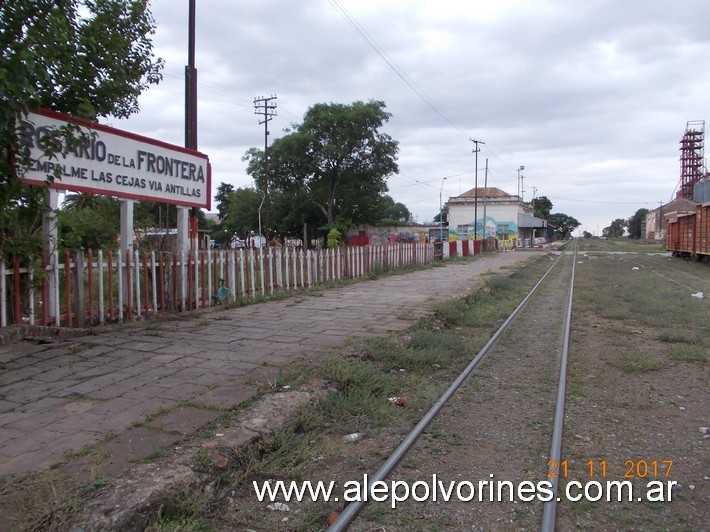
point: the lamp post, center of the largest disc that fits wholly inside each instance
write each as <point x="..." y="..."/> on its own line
<point x="519" y="170"/>
<point x="441" y="212"/>
<point x="475" y="196"/>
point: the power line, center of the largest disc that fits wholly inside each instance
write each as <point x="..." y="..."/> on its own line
<point x="607" y="202"/>
<point x="393" y="65"/>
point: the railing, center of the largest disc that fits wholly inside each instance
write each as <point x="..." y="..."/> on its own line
<point x="79" y="289"/>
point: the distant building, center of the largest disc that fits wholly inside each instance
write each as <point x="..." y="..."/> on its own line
<point x="499" y="215"/>
<point x="656" y="219"/>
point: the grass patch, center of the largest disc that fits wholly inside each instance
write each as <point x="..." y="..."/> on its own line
<point x="672" y="337"/>
<point x="620" y="245"/>
<point x="181" y="512"/>
<point x="687" y="352"/>
<point x="636" y="362"/>
<point x="157" y="452"/>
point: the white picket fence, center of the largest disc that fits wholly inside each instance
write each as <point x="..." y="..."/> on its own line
<point x="79" y="289"/>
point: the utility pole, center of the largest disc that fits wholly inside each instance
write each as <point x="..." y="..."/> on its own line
<point x="186" y="218"/>
<point x="191" y="84"/>
<point x="266" y="107"/>
<point x="441" y="213"/>
<point x="485" y="202"/>
<point x="533" y="209"/>
<point x="475" y="195"/>
<point x="519" y="178"/>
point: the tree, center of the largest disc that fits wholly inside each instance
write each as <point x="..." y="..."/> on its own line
<point x="86" y="58"/>
<point x="394" y="212"/>
<point x="542" y="207"/>
<point x="337" y="159"/>
<point x="242" y="216"/>
<point x="222" y="198"/>
<point x="563" y="225"/>
<point x="616" y="229"/>
<point x="636" y="223"/>
<point x="86" y="227"/>
<point x="442" y="216"/>
<point x="587" y="235"/>
<point x="291" y="211"/>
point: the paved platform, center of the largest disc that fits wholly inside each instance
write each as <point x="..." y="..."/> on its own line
<point x="58" y="397"/>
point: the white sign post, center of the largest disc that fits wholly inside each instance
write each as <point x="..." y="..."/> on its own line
<point x="115" y="163"/>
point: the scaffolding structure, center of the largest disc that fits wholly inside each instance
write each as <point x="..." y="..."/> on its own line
<point x="692" y="158"/>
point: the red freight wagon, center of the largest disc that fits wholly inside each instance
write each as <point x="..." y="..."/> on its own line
<point x="688" y="233"/>
<point x="680" y="234"/>
<point x="702" y="232"/>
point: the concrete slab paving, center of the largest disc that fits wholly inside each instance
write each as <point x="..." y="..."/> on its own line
<point x="57" y="397"/>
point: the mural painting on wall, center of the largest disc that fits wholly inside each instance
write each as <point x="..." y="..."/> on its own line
<point x="385" y="237"/>
<point x="507" y="230"/>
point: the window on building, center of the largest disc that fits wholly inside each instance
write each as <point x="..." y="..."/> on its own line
<point x="503" y="232"/>
<point x="462" y="231"/>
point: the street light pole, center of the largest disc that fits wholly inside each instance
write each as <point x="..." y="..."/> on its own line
<point x="475" y="195"/>
<point x="441" y="213"/>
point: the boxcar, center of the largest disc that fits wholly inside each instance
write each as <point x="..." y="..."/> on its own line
<point x="688" y="233"/>
<point x="702" y="232"/>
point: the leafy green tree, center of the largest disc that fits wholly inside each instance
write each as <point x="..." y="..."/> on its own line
<point x="86" y="58"/>
<point x="394" y="213"/>
<point x="587" y="235"/>
<point x="290" y="212"/>
<point x="636" y="223"/>
<point x="542" y="207"/>
<point x="242" y="215"/>
<point x="222" y="197"/>
<point x="615" y="229"/>
<point x="443" y="216"/>
<point x="85" y="227"/>
<point x="334" y="237"/>
<point x="563" y="225"/>
<point x="337" y="159"/>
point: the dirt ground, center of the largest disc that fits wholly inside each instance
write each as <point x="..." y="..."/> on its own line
<point x="621" y="422"/>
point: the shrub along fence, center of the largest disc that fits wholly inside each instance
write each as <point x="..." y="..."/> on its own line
<point x="79" y="289"/>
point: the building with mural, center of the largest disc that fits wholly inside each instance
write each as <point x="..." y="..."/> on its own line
<point x="490" y="213"/>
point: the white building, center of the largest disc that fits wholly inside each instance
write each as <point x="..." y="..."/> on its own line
<point x="499" y="215"/>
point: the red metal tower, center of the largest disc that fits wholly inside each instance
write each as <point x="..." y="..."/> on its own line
<point x="692" y="158"/>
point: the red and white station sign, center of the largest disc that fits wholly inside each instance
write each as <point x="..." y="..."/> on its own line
<point x="117" y="163"/>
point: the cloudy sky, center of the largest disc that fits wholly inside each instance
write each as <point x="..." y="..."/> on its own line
<point x="590" y="96"/>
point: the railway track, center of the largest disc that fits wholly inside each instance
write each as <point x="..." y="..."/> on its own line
<point x="523" y="365"/>
<point x="676" y="272"/>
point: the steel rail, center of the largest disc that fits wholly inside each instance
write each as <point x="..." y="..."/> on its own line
<point x="351" y="511"/>
<point x="694" y="277"/>
<point x="549" y="510"/>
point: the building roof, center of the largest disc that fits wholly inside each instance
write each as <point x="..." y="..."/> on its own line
<point x="488" y="192"/>
<point x="678" y="204"/>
